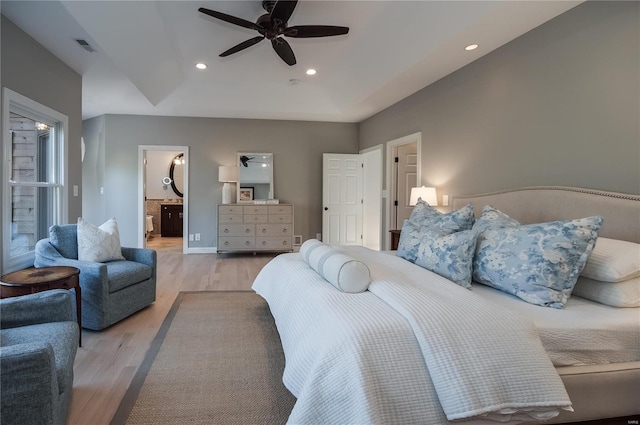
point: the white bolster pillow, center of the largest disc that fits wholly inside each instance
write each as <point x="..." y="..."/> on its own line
<point x="342" y="271"/>
<point x="308" y="246"/>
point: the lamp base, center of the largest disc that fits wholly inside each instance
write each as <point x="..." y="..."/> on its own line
<point x="227" y="193"/>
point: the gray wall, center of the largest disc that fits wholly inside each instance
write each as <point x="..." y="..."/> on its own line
<point x="31" y="70"/>
<point x="557" y="106"/>
<point x="93" y="205"/>
<point x="297" y="147"/>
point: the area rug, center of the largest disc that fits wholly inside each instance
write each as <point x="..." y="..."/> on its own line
<point x="217" y="359"/>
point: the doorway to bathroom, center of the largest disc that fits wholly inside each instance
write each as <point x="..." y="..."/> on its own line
<point x="162" y="196"/>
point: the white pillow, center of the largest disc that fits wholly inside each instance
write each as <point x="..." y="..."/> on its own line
<point x="99" y="244"/>
<point x="615" y="294"/>
<point x="342" y="271"/>
<point x="613" y="260"/>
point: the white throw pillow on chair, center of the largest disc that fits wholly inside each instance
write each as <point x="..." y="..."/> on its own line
<point x="99" y="244"/>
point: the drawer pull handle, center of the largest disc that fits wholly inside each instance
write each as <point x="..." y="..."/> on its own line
<point x="284" y="230"/>
<point x="284" y="243"/>
<point x="264" y="243"/>
<point x="247" y="230"/>
<point x="264" y="230"/>
<point x="247" y="243"/>
<point x="226" y="230"/>
<point x="226" y="243"/>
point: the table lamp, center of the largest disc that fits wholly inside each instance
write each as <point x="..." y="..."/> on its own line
<point x="227" y="174"/>
<point x="428" y="195"/>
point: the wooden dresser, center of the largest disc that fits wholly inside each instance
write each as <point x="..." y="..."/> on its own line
<point x="250" y="227"/>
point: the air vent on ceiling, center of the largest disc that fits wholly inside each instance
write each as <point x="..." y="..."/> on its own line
<point x="85" y="45"/>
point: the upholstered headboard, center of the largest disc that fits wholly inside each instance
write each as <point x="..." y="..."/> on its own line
<point x="621" y="211"/>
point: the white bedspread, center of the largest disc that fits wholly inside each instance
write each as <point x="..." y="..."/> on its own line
<point x="415" y="348"/>
<point x="583" y="333"/>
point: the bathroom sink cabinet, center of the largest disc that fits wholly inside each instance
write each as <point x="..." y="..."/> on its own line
<point x="171" y="220"/>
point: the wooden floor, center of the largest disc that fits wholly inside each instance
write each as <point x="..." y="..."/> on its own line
<point x="108" y="360"/>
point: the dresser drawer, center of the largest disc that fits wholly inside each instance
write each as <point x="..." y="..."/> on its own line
<point x="274" y="242"/>
<point x="281" y="209"/>
<point x="274" y="230"/>
<point x="229" y="242"/>
<point x="280" y="219"/>
<point x="236" y="230"/>
<point x="228" y="218"/>
<point x="255" y="209"/>
<point x="230" y="209"/>
<point x="250" y="218"/>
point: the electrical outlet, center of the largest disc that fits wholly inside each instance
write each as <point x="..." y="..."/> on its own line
<point x="190" y="237"/>
<point x="75" y="190"/>
<point x="197" y="236"/>
<point x="319" y="236"/>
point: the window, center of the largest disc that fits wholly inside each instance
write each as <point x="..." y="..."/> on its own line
<point x="34" y="193"/>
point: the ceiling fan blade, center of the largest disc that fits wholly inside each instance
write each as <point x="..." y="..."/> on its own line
<point x="309" y="31"/>
<point x="231" y="19"/>
<point x="283" y="50"/>
<point x="282" y="10"/>
<point x="235" y="49"/>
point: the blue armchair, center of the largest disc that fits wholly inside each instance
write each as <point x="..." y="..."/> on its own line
<point x="38" y="344"/>
<point x="111" y="291"/>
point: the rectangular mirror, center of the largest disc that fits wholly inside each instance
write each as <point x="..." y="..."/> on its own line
<point x="255" y="181"/>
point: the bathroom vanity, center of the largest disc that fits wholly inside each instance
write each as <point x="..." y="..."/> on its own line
<point x="171" y="218"/>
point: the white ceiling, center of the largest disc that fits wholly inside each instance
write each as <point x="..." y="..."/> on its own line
<point x="146" y="52"/>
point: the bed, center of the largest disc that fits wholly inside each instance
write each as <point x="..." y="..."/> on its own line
<point x="400" y="353"/>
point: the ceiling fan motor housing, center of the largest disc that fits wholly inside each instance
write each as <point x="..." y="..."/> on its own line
<point x="268" y="5"/>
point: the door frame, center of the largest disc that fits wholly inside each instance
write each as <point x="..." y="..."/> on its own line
<point x="142" y="149"/>
<point x="417" y="138"/>
<point x="373" y="187"/>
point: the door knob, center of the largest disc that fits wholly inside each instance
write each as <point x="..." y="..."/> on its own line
<point x="326" y="208"/>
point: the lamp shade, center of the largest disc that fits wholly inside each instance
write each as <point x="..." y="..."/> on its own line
<point x="227" y="173"/>
<point x="428" y="195"/>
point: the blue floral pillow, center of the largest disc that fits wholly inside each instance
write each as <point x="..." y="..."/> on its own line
<point x="539" y="263"/>
<point x="449" y="255"/>
<point x="428" y="218"/>
<point x="492" y="217"/>
<point x="425" y="215"/>
<point x="409" y="241"/>
<point x="421" y="211"/>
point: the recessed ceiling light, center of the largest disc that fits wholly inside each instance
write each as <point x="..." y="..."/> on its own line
<point x="471" y="47"/>
<point x="311" y="71"/>
<point x="201" y="65"/>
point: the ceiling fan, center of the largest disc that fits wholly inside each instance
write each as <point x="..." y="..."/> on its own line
<point x="272" y="25"/>
<point x="245" y="160"/>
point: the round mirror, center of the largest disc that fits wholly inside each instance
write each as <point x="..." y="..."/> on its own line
<point x="176" y="174"/>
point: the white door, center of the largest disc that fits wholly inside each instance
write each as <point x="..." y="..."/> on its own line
<point x="372" y="196"/>
<point x="342" y="199"/>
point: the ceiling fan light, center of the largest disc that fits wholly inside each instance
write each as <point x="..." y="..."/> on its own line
<point x="311" y="71"/>
<point x="471" y="47"/>
<point x="201" y="65"/>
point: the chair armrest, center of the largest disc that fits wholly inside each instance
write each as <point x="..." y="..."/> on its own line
<point x="29" y="383"/>
<point x="48" y="306"/>
<point x="141" y="255"/>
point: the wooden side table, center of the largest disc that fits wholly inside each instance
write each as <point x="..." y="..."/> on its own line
<point x="33" y="280"/>
<point x="395" y="239"/>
